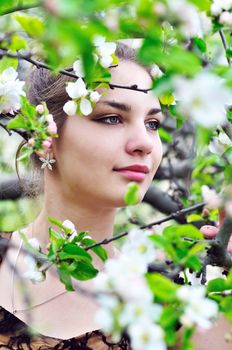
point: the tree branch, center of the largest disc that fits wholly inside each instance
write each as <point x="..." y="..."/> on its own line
<point x="20" y="8"/>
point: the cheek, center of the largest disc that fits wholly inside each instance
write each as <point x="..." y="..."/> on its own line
<point x="157" y="155"/>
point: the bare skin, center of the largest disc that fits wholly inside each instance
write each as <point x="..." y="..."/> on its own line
<point x="85" y="188"/>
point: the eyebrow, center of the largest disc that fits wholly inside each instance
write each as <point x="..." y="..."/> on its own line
<point x="127" y="108"/>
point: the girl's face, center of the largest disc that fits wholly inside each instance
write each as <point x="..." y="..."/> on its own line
<point x="121" y="132"/>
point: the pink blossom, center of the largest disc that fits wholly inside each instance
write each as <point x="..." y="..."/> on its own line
<point x="47" y="143"/>
<point x="52" y="128"/>
<point x="40" y="109"/>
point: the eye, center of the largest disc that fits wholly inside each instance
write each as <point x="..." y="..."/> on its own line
<point x="110" y="119"/>
<point x="153" y="124"/>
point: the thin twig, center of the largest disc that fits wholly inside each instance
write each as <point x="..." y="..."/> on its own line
<point x="224" y="44"/>
<point x="157" y="222"/>
<point x="38" y="64"/>
<point x="19" y="8"/>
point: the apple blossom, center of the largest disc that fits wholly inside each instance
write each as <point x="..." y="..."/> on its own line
<point x="70" y="108"/>
<point x="211" y="198"/>
<point x="49" y="118"/>
<point x="85" y="106"/>
<point x="226" y="18"/>
<point x="155" y="71"/>
<point x="52" y="128"/>
<point x="94" y="96"/>
<point x="76" y="89"/>
<point x="78" y="68"/>
<point x="11" y="90"/>
<point x="144" y="334"/>
<point x="199" y="310"/>
<point x="203" y="98"/>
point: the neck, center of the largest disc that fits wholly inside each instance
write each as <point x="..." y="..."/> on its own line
<point x="86" y="216"/>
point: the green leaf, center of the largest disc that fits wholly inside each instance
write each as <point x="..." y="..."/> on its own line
<point x="65" y="277"/>
<point x="72" y="251"/>
<point x="187" y="230"/>
<point x="132" y="197"/>
<point x="18" y="122"/>
<point x="218" y="285"/>
<point x="162" y="287"/>
<point x="202" y="5"/>
<point x="228" y="53"/>
<point x="33" y="26"/>
<point x="193" y="217"/>
<point x="7" y="62"/>
<point x="165" y="136"/>
<point x="17" y="43"/>
<point x="228" y="173"/>
<point x="25" y="153"/>
<point x="226" y="307"/>
<point x="99" y="250"/>
<point x="84" y="271"/>
<point x="56" y="238"/>
<point x="200" y="44"/>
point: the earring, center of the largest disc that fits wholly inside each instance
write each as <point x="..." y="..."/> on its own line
<point x="47" y="161"/>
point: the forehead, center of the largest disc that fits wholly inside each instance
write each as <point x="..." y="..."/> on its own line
<point x="129" y="73"/>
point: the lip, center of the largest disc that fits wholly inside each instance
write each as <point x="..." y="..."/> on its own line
<point x="134" y="172"/>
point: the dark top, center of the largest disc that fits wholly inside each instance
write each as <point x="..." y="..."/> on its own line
<point x="15" y="334"/>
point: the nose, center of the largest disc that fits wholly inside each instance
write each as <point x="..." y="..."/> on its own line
<point x="139" y="140"/>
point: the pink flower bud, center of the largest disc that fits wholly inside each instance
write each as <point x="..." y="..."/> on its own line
<point x="40" y="109"/>
<point x="52" y="128"/>
<point x="47" y="143"/>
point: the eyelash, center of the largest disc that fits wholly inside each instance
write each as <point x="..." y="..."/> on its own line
<point x="103" y="120"/>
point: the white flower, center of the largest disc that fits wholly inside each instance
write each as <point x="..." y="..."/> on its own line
<point x="49" y="118"/>
<point x="85" y="106"/>
<point x="78" y="69"/>
<point x="145" y="335"/>
<point x="203" y="98"/>
<point x="216" y="9"/>
<point x="10" y="91"/>
<point x="225" y="4"/>
<point x="34" y="243"/>
<point x="94" y="96"/>
<point x="99" y="40"/>
<point x="139" y="309"/>
<point x="211" y="197"/>
<point x="76" y="89"/>
<point x="69" y="225"/>
<point x="188" y="15"/>
<point x="34" y="276"/>
<point x="104" y="50"/>
<point x="138" y="242"/>
<point x="107" y="315"/>
<point x="226" y="18"/>
<point x="199" y="310"/>
<point x="220" y="143"/>
<point x="155" y="71"/>
<point x="70" y="108"/>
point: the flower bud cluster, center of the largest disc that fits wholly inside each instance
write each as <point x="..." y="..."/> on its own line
<point x="83" y="99"/>
<point x="128" y="302"/>
<point x="222" y="10"/>
<point x="185" y="16"/>
<point x="41" y="142"/>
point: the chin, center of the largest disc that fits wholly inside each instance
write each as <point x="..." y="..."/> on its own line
<point x="119" y="201"/>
